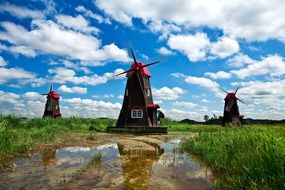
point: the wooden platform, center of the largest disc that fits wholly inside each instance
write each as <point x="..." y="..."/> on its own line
<point x="138" y="130"/>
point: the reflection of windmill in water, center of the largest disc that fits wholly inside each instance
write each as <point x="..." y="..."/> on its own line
<point x="231" y="109"/>
<point x="52" y="104"/>
<point x="138" y="110"/>
<point x="137" y="163"/>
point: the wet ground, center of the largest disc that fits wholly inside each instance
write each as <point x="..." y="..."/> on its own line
<point x="119" y="162"/>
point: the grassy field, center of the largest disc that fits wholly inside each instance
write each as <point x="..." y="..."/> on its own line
<point x="18" y="135"/>
<point x="252" y="157"/>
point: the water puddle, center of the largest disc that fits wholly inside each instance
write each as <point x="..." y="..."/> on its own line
<point x="130" y="162"/>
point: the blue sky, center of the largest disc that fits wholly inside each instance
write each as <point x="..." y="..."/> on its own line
<point x="204" y="45"/>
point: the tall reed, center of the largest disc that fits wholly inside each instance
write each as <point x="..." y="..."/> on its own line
<point x="244" y="158"/>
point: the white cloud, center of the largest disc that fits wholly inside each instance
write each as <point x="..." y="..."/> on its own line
<point x="108" y="96"/>
<point x="203" y="82"/>
<point x="120" y="97"/>
<point x="78" y="23"/>
<point x="165" y="51"/>
<point x="90" y="108"/>
<point x="182" y="114"/>
<point x="69" y="64"/>
<point x="21" y="12"/>
<point x="166" y="93"/>
<point x="218" y="75"/>
<point x="273" y="65"/>
<point x="145" y="57"/>
<point x="265" y="99"/>
<point x="47" y="37"/>
<point x="178" y="75"/>
<point x="158" y="101"/>
<point x="164" y="28"/>
<point x="24" y="50"/>
<point x="75" y="89"/>
<point x="240" y="60"/>
<point x="90" y="14"/>
<point x="224" y="47"/>
<point x="31" y="104"/>
<point x="197" y="46"/>
<point x="18" y="74"/>
<point x="8" y="97"/>
<point x="63" y="75"/>
<point x="251" y="20"/>
<point x="111" y="9"/>
<point x="34" y="96"/>
<point x="194" y="46"/>
<point x="2" y="62"/>
<point x="116" y="72"/>
<point x="184" y="104"/>
<point x="204" y="100"/>
<point x="3" y="47"/>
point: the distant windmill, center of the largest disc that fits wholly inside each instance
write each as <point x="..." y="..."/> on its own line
<point x="231" y="109"/>
<point x="52" y="104"/>
<point x="138" y="109"/>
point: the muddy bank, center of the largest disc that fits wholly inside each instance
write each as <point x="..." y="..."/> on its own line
<point x="110" y="161"/>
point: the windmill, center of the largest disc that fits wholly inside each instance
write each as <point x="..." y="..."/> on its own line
<point x="52" y="104"/>
<point x="138" y="111"/>
<point x="231" y="109"/>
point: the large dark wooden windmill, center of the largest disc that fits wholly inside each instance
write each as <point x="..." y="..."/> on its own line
<point x="138" y="113"/>
<point x="231" y="116"/>
<point x="52" y="104"/>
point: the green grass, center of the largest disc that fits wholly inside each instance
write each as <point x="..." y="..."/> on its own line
<point x="18" y="135"/>
<point x="244" y="158"/>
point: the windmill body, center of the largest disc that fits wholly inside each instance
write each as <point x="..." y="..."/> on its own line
<point x="231" y="110"/>
<point x="138" y="109"/>
<point x="52" y="105"/>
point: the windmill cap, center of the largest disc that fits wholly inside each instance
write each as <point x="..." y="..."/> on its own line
<point x="54" y="94"/>
<point x="141" y="69"/>
<point x="230" y="95"/>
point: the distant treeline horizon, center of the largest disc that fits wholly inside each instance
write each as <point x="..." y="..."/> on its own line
<point x="186" y="120"/>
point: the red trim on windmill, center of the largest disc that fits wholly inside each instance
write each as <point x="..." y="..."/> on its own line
<point x="155" y="106"/>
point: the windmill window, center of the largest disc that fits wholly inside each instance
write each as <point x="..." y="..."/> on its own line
<point x="127" y="92"/>
<point x="136" y="113"/>
<point x="147" y="91"/>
